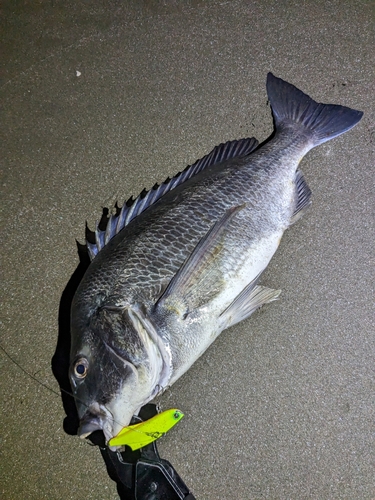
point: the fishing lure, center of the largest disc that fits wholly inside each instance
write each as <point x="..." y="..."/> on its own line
<point x="139" y="435"/>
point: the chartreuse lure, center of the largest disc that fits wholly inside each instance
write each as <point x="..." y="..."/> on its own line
<point x="139" y="435"/>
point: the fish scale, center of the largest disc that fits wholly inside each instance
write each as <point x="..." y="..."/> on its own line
<point x="170" y="248"/>
<point x="182" y="263"/>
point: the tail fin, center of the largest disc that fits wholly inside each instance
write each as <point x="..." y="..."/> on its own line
<point x="291" y="105"/>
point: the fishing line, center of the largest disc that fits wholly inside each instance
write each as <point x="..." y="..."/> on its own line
<point x="46" y="386"/>
<point x="32" y="376"/>
<point x="41" y="383"/>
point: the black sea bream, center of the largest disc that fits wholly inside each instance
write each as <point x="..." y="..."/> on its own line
<point x="181" y="264"/>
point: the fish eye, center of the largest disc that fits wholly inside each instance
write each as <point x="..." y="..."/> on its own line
<point x="80" y="368"/>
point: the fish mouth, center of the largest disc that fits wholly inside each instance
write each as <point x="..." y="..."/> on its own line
<point x="96" y="418"/>
<point x="88" y="426"/>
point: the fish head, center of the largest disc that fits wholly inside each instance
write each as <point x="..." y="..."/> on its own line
<point x="112" y="373"/>
<point x="104" y="387"/>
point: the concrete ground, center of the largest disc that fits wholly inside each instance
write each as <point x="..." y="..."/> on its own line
<point x="102" y="99"/>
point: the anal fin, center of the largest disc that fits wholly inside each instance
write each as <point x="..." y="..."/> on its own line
<point x="303" y="197"/>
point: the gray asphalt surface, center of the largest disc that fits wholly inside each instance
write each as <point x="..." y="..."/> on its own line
<point x="102" y="99"/>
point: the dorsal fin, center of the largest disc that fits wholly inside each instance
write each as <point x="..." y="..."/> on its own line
<point x="132" y="208"/>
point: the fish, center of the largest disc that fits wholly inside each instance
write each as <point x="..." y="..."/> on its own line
<point x="181" y="263"/>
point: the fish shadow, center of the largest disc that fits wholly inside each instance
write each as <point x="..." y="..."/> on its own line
<point x="60" y="360"/>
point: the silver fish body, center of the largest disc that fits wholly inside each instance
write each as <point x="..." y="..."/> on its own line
<point x="169" y="275"/>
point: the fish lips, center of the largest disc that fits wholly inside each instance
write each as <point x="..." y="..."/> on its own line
<point x="89" y="425"/>
<point x="96" y="419"/>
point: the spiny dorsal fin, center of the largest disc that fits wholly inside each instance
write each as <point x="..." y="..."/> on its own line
<point x="132" y="208"/>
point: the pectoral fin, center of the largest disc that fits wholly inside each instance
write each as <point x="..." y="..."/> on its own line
<point x="200" y="278"/>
